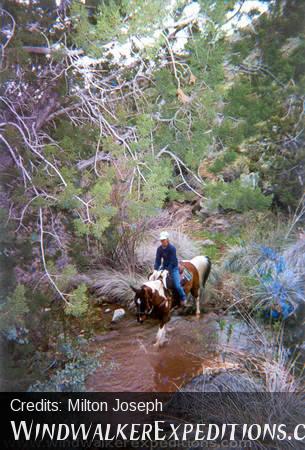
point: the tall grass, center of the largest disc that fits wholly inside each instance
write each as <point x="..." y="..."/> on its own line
<point x="260" y="388"/>
<point x="115" y="285"/>
<point x="280" y="275"/>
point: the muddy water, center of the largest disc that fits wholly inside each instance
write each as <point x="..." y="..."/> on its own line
<point x="131" y="363"/>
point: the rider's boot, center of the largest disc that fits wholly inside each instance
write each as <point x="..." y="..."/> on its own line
<point x="183" y="302"/>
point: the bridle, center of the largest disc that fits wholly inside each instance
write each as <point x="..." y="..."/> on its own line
<point x="143" y="313"/>
<point x="149" y="311"/>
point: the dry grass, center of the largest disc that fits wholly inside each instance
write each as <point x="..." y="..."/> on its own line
<point x="115" y="286"/>
<point x="294" y="256"/>
<point x="256" y="388"/>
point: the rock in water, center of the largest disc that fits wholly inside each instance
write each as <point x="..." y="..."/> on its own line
<point x="118" y="314"/>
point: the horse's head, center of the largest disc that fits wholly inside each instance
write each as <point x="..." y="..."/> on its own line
<point x="143" y="302"/>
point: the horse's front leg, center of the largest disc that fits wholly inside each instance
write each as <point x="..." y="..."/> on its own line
<point x="160" y="336"/>
<point x="197" y="300"/>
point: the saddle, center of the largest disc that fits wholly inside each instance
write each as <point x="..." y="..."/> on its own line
<point x="185" y="276"/>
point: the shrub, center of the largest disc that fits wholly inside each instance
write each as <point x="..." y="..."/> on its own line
<point x="78" y="302"/>
<point x="280" y="276"/>
<point x="71" y="378"/>
<point x="13" y="314"/>
<point x="236" y="196"/>
<point x="222" y="161"/>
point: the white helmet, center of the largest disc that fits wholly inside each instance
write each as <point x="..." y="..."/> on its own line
<point x="163" y="235"/>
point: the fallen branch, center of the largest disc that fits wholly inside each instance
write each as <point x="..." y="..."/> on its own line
<point x="49" y="50"/>
<point x="101" y="156"/>
<point x="179" y="164"/>
<point x="298" y="215"/>
<point x="4" y="12"/>
<point x="62" y="296"/>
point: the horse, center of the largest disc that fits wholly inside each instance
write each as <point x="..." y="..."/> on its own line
<point x="154" y="299"/>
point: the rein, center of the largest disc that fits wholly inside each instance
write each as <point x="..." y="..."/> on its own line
<point x="148" y="313"/>
<point x="144" y="313"/>
<point x="162" y="303"/>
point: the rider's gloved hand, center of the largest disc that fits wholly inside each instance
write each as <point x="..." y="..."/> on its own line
<point x="153" y="276"/>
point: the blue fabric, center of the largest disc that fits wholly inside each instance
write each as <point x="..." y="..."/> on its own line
<point x="176" y="281"/>
<point x="169" y="257"/>
<point x="287" y="309"/>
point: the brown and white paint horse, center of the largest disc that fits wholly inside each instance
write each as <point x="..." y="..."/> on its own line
<point x="152" y="299"/>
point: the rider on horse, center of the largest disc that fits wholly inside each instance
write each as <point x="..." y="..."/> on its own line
<point x="166" y="259"/>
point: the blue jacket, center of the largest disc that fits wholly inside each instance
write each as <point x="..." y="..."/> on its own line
<point x="169" y="256"/>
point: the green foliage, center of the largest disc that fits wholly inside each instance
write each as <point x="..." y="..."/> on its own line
<point x="7" y="243"/>
<point x="222" y="324"/>
<point x="153" y="194"/>
<point x="63" y="279"/>
<point x="82" y="29"/>
<point x="165" y="84"/>
<point x="193" y="130"/>
<point x="257" y="112"/>
<point x="112" y="16"/>
<point x="71" y="378"/>
<point x="67" y="199"/>
<point x="77" y="142"/>
<point x="13" y="312"/>
<point x="220" y="242"/>
<point x="101" y="211"/>
<point x="212" y="251"/>
<point x="115" y="20"/>
<point x="26" y="14"/>
<point x="222" y="161"/>
<point x="145" y="125"/>
<point x="156" y="188"/>
<point x="109" y="21"/>
<point x="237" y="197"/>
<point x="250" y="105"/>
<point x="78" y="302"/>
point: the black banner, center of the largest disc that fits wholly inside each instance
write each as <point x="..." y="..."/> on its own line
<point x="152" y="420"/>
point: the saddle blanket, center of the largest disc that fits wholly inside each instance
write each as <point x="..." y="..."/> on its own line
<point x="185" y="276"/>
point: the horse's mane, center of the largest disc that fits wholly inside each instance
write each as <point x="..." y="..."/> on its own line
<point x="156" y="285"/>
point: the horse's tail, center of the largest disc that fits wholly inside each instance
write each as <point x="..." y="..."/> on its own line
<point x="207" y="272"/>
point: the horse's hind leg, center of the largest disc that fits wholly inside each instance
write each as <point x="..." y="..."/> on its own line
<point x="196" y="295"/>
<point x="197" y="299"/>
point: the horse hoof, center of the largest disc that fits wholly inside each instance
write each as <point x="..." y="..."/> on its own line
<point x="197" y="315"/>
<point x="158" y="345"/>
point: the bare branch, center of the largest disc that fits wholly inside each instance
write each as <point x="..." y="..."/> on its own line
<point x="9" y="38"/>
<point x="298" y="215"/>
<point x="42" y="232"/>
<point x="100" y="156"/>
<point x="50" y="50"/>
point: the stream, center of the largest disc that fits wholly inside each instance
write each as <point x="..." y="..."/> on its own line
<point x="129" y="361"/>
